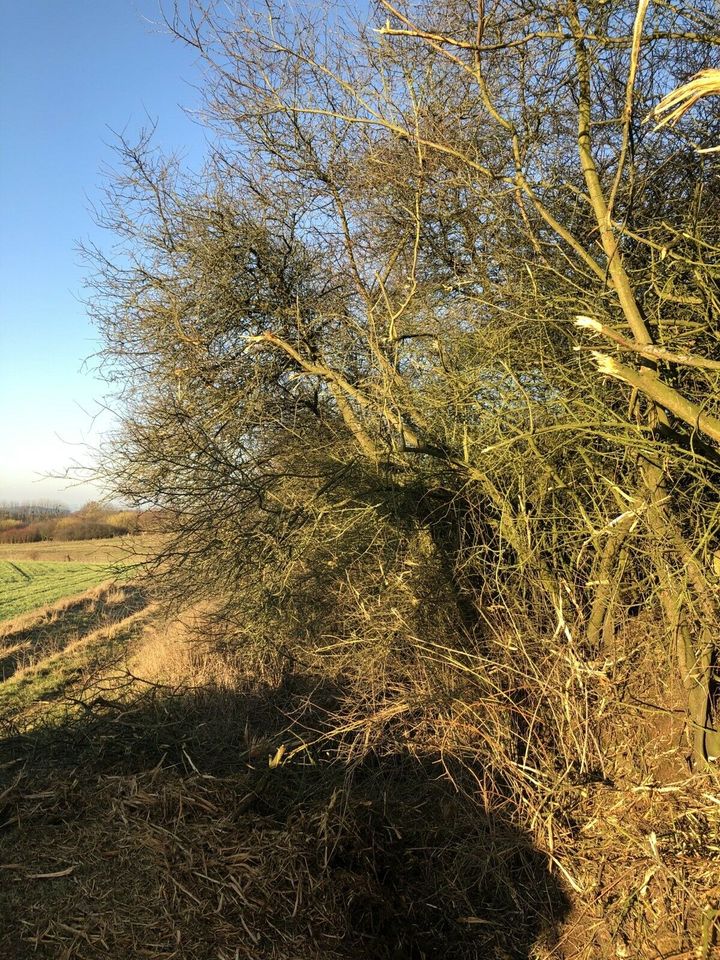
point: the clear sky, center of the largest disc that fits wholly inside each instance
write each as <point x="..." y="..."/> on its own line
<point x="70" y="73"/>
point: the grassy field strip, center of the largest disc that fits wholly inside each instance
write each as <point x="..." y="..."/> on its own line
<point x="30" y="584"/>
<point x="96" y="653"/>
<point x="117" y="550"/>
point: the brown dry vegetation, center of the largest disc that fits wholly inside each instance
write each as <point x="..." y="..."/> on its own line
<point x="151" y="820"/>
<point x="174" y="794"/>
<point x="116" y="550"/>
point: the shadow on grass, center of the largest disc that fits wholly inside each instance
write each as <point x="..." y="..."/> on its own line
<point x="158" y="827"/>
<point x="51" y="631"/>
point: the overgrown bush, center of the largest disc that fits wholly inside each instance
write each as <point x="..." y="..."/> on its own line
<point x="368" y="304"/>
<point x="422" y="371"/>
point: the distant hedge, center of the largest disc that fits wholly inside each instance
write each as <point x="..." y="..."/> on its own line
<point x="83" y="525"/>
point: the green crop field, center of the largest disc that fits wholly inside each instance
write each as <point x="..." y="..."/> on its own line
<point x="29" y="584"/>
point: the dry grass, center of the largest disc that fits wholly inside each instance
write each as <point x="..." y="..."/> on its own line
<point x="156" y="826"/>
<point x="644" y="841"/>
<point x="115" y="550"/>
<point x="292" y="862"/>
<point x="386" y="794"/>
<point x="180" y="653"/>
<point x="175" y="805"/>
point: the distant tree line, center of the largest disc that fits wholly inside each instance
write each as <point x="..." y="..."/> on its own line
<point x="28" y="511"/>
<point x="30" y="523"/>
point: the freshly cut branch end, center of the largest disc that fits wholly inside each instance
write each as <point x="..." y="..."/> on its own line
<point x="607" y="365"/>
<point x="706" y="83"/>
<point x="588" y="323"/>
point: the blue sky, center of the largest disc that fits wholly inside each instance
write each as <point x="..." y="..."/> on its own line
<point x="70" y="74"/>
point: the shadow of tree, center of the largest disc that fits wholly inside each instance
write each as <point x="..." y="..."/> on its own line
<point x="159" y="827"/>
<point x="53" y="629"/>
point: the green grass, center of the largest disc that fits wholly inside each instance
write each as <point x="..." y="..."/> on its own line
<point x="48" y="681"/>
<point x="28" y="584"/>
